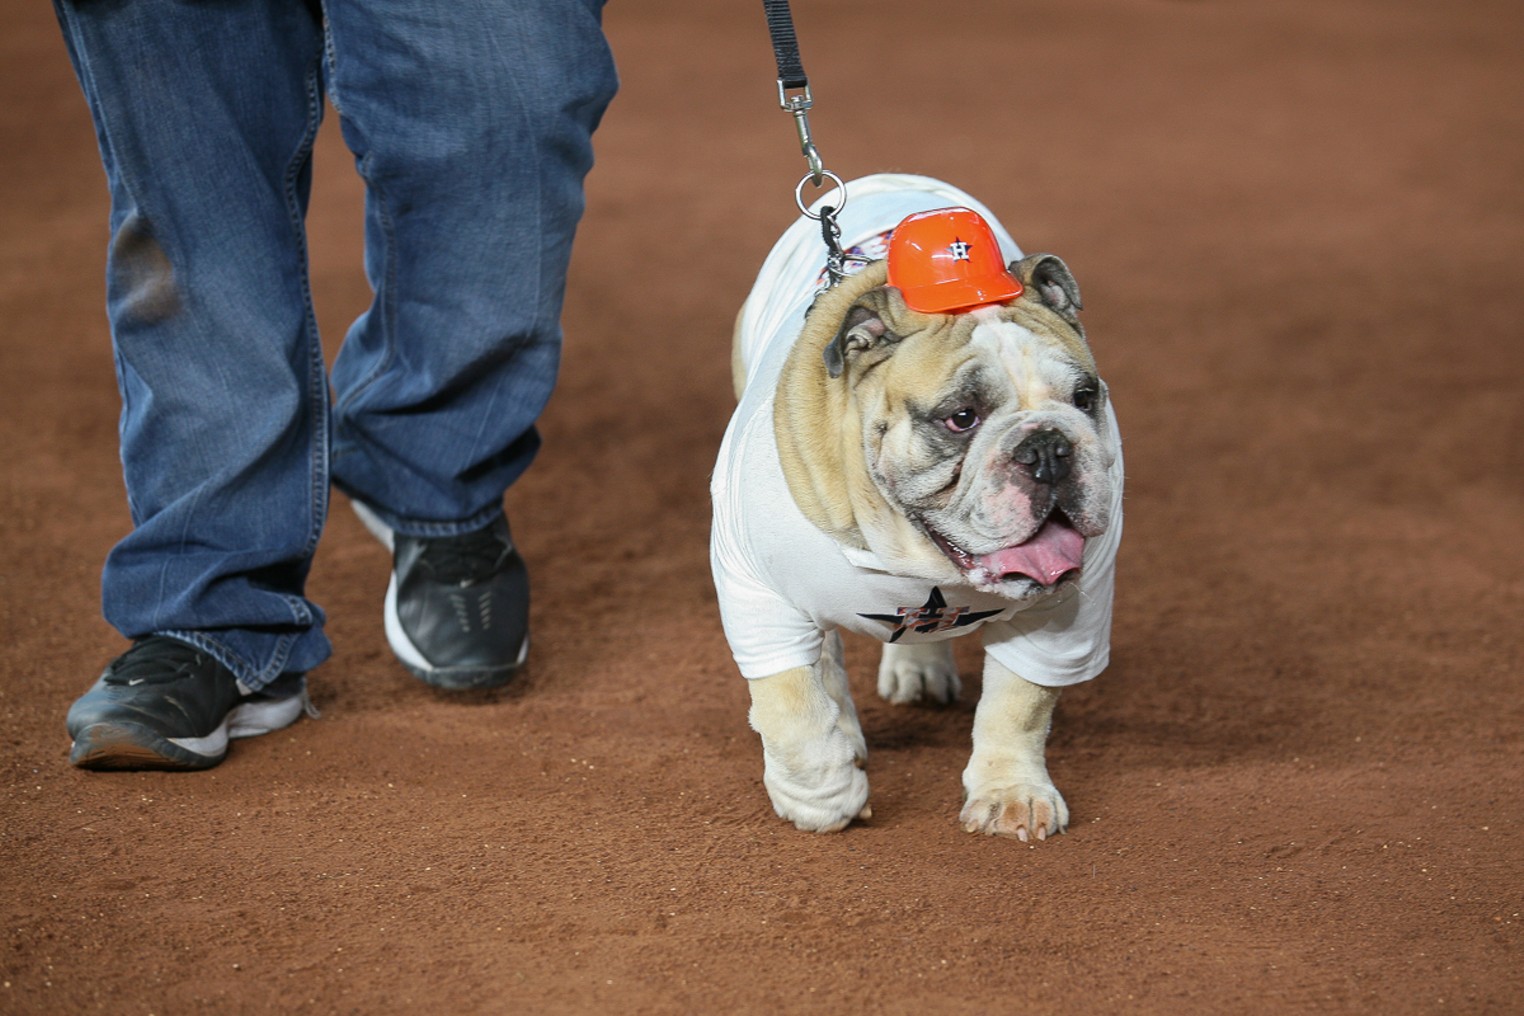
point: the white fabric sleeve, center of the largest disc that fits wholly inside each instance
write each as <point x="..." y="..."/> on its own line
<point x="1056" y="646"/>
<point x="767" y="633"/>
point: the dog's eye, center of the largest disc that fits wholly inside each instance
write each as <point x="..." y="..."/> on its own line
<point x="1085" y="396"/>
<point x="961" y="421"/>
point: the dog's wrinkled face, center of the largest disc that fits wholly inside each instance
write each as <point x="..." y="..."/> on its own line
<point x="985" y="431"/>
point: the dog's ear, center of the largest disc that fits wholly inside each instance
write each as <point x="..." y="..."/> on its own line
<point x="863" y="331"/>
<point x="1046" y="276"/>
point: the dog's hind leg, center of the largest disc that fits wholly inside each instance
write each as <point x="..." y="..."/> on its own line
<point x="923" y="670"/>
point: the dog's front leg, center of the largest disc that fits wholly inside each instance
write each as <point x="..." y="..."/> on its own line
<point x="812" y="747"/>
<point x="1008" y="789"/>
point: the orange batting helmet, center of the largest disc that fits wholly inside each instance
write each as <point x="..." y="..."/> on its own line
<point x="948" y="260"/>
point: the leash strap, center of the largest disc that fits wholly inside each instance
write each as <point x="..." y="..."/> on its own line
<point x="795" y="98"/>
<point x="780" y="25"/>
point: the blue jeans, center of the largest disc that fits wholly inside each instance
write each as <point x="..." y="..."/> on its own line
<point x="471" y="125"/>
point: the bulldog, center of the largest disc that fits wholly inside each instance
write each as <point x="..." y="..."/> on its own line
<point x="922" y="451"/>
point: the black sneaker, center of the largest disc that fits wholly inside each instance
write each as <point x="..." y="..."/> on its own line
<point x="457" y="608"/>
<point x="164" y="704"/>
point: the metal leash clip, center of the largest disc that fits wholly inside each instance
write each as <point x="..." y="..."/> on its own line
<point x="836" y="260"/>
<point x="799" y="105"/>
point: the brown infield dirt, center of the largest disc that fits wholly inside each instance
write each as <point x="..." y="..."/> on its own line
<point x="1300" y="232"/>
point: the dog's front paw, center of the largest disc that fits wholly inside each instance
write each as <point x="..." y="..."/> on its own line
<point x="819" y="786"/>
<point x="1026" y="811"/>
<point x="910" y="673"/>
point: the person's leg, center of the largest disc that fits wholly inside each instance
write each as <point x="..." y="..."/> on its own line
<point x="472" y="129"/>
<point x="205" y="115"/>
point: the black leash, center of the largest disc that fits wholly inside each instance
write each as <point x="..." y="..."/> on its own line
<point x="795" y="98"/>
<point x="780" y="25"/>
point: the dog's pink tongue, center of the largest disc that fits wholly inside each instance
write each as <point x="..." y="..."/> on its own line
<point x="1054" y="551"/>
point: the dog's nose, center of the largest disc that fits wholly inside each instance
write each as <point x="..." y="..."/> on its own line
<point x="1046" y="455"/>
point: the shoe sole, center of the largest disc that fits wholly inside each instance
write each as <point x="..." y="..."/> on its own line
<point x="121" y="745"/>
<point x="448" y="678"/>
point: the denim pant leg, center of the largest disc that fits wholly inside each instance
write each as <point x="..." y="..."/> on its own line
<point x="205" y="115"/>
<point x="471" y="125"/>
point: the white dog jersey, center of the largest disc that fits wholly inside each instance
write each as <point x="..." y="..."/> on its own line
<point x="783" y="583"/>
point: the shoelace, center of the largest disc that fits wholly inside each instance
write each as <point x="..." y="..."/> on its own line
<point x="155" y="660"/>
<point x="467" y="558"/>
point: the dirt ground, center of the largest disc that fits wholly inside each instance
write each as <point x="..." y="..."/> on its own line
<point x="1300" y="232"/>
